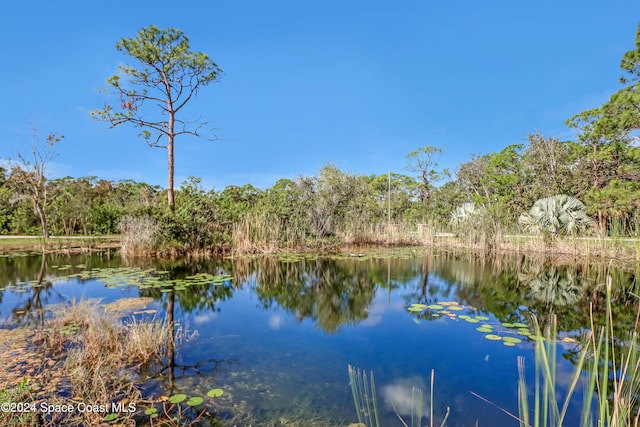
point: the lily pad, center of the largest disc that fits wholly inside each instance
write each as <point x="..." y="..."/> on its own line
<point x="415" y="308"/>
<point x="512" y="339"/>
<point x="484" y="318"/>
<point x="215" y="392"/>
<point x="455" y="307"/>
<point x="195" y="401"/>
<point x="177" y="398"/>
<point x="509" y="343"/>
<point x="483" y="329"/>
<point x="493" y="337"/>
<point x="435" y="307"/>
<point x="150" y="411"/>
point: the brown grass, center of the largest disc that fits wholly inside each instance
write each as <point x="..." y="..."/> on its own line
<point x="386" y="234"/>
<point x="85" y="353"/>
<point x="138" y="235"/>
<point x="477" y="241"/>
<point x="264" y="234"/>
<point x="59" y="244"/>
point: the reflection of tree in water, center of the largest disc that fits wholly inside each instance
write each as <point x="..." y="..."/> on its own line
<point x="197" y="297"/>
<point x="551" y="285"/>
<point x="511" y="287"/>
<point x="487" y="284"/>
<point x="330" y="292"/>
<point x="19" y="268"/>
<point x="31" y="311"/>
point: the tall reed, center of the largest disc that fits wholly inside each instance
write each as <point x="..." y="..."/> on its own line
<point x="366" y="402"/>
<point x="139" y="234"/>
<point x="607" y="361"/>
<point x="364" y="397"/>
<point x="260" y="233"/>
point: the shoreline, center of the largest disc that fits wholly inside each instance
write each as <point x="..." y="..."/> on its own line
<point x="579" y="248"/>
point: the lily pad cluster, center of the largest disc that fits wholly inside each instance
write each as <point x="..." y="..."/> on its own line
<point x="496" y="335"/>
<point x="509" y="334"/>
<point x="17" y="254"/>
<point x="449" y="309"/>
<point x="69" y="329"/>
<point x="149" y="278"/>
<point x="177" y="400"/>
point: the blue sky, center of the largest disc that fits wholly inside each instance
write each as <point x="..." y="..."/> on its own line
<point x="356" y="83"/>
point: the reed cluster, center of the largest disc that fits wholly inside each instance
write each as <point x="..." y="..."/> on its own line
<point x="363" y="389"/>
<point x="139" y="234"/>
<point x="607" y="371"/>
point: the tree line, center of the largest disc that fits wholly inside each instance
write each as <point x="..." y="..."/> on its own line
<point x="334" y="204"/>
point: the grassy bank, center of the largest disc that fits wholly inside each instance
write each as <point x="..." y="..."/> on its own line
<point x="261" y="238"/>
<point x="58" y="244"/>
<point x="83" y="355"/>
<point x="577" y="247"/>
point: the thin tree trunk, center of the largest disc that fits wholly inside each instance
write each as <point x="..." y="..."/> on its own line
<point x="170" y="196"/>
<point x="43" y="219"/>
<point x="171" y="136"/>
<point x="425" y="182"/>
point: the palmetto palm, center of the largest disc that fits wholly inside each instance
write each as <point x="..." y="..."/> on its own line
<point x="560" y="214"/>
<point x="464" y="214"/>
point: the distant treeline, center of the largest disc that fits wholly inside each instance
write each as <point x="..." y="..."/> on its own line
<point x="336" y="206"/>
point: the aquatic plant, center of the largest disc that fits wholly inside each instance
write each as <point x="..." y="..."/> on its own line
<point x="364" y="397"/>
<point x="181" y="410"/>
<point x="366" y="403"/>
<point x="504" y="332"/>
<point x="604" y="358"/>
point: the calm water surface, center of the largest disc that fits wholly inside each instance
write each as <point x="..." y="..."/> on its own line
<point x="279" y="335"/>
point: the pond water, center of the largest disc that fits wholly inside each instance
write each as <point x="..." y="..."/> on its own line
<point x="277" y="333"/>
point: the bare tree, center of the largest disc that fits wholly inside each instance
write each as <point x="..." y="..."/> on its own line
<point x="28" y="178"/>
